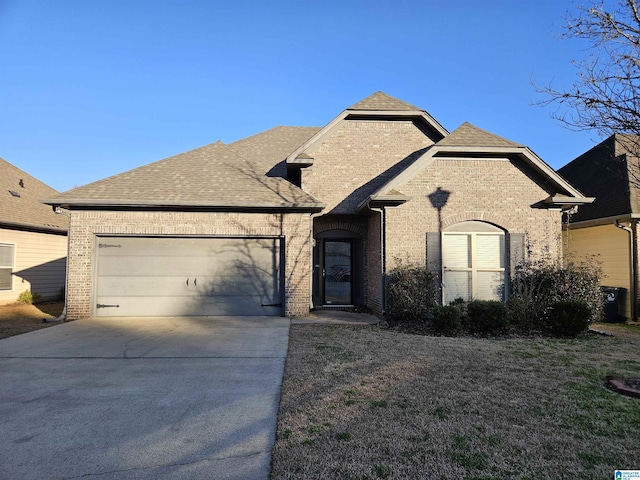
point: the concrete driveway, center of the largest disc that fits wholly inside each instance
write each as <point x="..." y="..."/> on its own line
<point x="142" y="398"/>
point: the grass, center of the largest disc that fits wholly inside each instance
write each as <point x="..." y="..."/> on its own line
<point x="361" y="403"/>
<point x="17" y="318"/>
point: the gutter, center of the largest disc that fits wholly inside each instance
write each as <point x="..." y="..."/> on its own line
<point x="632" y="230"/>
<point x="186" y="206"/>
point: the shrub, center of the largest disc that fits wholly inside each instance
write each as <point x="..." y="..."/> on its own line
<point x="28" y="297"/>
<point x="568" y="318"/>
<point x="538" y="285"/>
<point x="411" y="292"/>
<point x="446" y="319"/>
<point x="486" y="316"/>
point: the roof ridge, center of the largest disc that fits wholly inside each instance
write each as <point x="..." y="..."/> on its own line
<point x="382" y="101"/>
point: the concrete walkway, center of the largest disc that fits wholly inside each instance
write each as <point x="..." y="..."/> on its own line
<point x="143" y="398"/>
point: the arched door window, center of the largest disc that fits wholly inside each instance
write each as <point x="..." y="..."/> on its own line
<point x="473" y="262"/>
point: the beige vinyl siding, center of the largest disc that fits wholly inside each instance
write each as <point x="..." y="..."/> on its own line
<point x="40" y="263"/>
<point x="611" y="246"/>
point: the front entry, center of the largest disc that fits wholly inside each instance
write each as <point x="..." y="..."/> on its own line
<point x="336" y="269"/>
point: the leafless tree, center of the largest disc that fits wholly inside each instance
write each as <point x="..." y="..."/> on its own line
<point x="605" y="96"/>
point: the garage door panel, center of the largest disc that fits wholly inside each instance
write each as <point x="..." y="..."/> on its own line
<point x="193" y="247"/>
<point x="147" y="286"/>
<point x="181" y="266"/>
<point x="187" y="276"/>
<point x="177" y="306"/>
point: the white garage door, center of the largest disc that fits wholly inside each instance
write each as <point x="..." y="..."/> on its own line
<point x="161" y="276"/>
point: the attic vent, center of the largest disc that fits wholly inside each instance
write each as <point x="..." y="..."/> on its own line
<point x="15" y="194"/>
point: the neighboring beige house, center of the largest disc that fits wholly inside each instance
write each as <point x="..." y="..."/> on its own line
<point x="607" y="228"/>
<point x="33" y="239"/>
<point x="297" y="218"/>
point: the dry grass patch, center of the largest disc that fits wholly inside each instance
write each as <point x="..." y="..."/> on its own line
<point x="17" y="318"/>
<point x="364" y="403"/>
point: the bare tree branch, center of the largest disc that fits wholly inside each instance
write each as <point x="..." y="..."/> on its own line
<point x="605" y="97"/>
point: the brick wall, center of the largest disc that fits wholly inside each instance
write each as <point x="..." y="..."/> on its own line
<point x="85" y="225"/>
<point x="374" y="263"/>
<point x="357" y="158"/>
<point x="503" y="193"/>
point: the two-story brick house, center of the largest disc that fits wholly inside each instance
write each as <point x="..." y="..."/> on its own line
<point x="297" y="218"/>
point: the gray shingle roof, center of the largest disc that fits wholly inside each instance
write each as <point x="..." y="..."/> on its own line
<point x="23" y="208"/>
<point x="601" y="172"/>
<point x="381" y="101"/>
<point x="269" y="149"/>
<point x="467" y="135"/>
<point x="210" y="176"/>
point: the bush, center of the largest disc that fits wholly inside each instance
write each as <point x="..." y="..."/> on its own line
<point x="538" y="285"/>
<point x="568" y="318"/>
<point x="446" y="319"/>
<point x="28" y="297"/>
<point x="486" y="317"/>
<point x="412" y="291"/>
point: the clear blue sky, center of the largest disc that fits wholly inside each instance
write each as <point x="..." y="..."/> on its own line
<point x="91" y="88"/>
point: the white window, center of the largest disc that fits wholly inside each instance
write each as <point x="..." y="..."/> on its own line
<point x="473" y="262"/>
<point x="7" y="253"/>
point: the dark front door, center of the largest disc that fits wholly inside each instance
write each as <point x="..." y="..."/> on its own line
<point x="337" y="268"/>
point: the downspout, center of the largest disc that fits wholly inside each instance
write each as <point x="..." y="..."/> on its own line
<point x="313" y="265"/>
<point x="383" y="249"/>
<point x="631" y="229"/>
<point x="384" y="260"/>
<point x="63" y="315"/>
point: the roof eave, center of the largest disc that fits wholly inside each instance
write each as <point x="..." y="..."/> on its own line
<point x="34" y="228"/>
<point x="80" y="204"/>
<point x="382" y="201"/>
<point x="565" y="202"/>
<point x="596" y="222"/>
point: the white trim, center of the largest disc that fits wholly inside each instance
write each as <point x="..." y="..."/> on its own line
<point x="12" y="266"/>
<point x="474" y="269"/>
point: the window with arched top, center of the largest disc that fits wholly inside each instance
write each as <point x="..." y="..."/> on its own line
<point x="473" y="261"/>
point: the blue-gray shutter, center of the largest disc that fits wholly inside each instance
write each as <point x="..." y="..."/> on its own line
<point x="434" y="252"/>
<point x="516" y="250"/>
<point x="434" y="258"/>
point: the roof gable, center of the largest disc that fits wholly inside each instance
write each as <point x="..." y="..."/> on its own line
<point x="378" y="106"/>
<point x="475" y="143"/>
<point x="20" y="205"/>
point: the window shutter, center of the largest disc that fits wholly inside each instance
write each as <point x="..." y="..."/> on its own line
<point x="516" y="250"/>
<point x="434" y="262"/>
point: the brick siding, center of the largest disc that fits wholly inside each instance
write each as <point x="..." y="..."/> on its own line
<point x="85" y="225"/>
<point x="357" y="158"/>
<point x="503" y="193"/>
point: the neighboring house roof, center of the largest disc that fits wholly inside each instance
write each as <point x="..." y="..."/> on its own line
<point x="20" y="205"/>
<point x="469" y="141"/>
<point x="213" y="176"/>
<point x="603" y="172"/>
